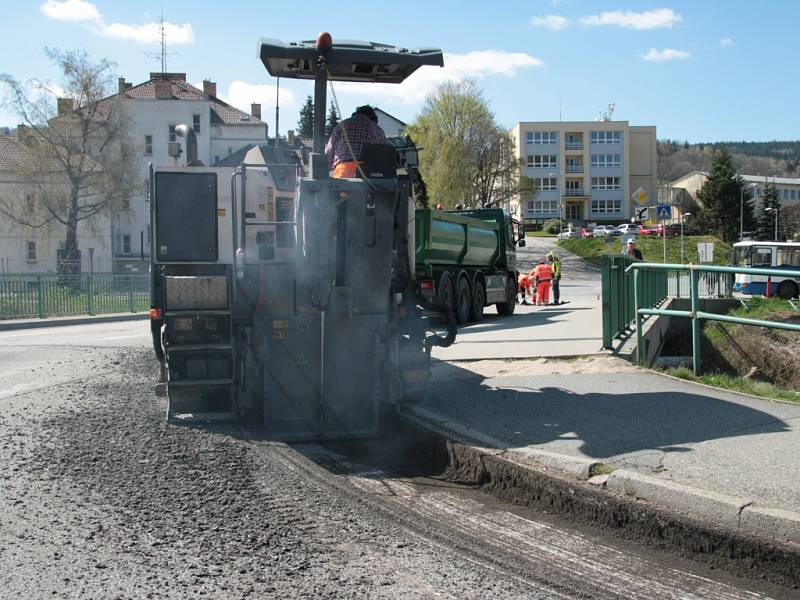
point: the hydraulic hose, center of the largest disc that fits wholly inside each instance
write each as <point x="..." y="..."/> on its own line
<point x="450" y="320"/>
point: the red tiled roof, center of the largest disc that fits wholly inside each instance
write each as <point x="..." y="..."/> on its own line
<point x="221" y="112"/>
<point x="12" y="153"/>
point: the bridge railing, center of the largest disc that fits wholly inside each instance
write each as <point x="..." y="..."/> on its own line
<point x="696" y="274"/>
<point x="51" y="295"/>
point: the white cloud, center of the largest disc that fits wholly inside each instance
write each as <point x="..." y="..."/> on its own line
<point x="149" y="33"/>
<point x="664" y="55"/>
<point x="726" y="41"/>
<point x="70" y="10"/>
<point x="651" y="19"/>
<point x="554" y="22"/>
<point x="477" y="65"/>
<point x="80" y="11"/>
<point x="241" y="94"/>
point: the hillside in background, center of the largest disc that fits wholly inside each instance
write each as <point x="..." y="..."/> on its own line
<point x="773" y="159"/>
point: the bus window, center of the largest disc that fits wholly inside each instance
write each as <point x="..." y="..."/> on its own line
<point x="788" y="257"/>
<point x="742" y="256"/>
<point x="762" y="257"/>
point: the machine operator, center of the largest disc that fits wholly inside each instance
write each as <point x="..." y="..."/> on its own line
<point x="361" y="128"/>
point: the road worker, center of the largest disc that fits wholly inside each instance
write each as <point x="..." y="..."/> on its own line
<point x="556" y="264"/>
<point x="525" y="288"/>
<point x="542" y="274"/>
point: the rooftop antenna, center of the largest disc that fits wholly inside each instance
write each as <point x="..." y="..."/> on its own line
<point x="161" y="56"/>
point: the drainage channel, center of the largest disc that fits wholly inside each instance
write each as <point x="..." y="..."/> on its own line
<point x="423" y="482"/>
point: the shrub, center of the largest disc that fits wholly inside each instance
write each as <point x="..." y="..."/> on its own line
<point x="551" y="226"/>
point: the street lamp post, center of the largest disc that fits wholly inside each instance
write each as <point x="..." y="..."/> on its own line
<point x="776" y="211"/>
<point x="560" y="226"/>
<point x="683" y="218"/>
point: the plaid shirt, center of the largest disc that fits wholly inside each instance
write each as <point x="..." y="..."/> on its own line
<point x="360" y="131"/>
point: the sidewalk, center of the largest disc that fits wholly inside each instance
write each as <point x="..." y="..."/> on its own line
<point x="9" y="324"/>
<point x="717" y="456"/>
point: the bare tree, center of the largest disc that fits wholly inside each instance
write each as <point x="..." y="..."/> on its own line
<point x="78" y="158"/>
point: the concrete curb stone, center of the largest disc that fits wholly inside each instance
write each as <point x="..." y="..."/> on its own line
<point x="11" y="325"/>
<point x="738" y="515"/>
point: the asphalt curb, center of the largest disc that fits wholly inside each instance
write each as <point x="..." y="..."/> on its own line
<point x="63" y="321"/>
<point x="735" y="534"/>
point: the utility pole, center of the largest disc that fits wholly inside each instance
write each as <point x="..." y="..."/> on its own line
<point x="277" y="108"/>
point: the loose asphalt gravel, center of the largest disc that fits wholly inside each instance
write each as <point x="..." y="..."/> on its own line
<point x="103" y="499"/>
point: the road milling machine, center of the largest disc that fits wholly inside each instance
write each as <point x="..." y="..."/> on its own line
<point x="303" y="314"/>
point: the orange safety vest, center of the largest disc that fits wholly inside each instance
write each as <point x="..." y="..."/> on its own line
<point x="542" y="272"/>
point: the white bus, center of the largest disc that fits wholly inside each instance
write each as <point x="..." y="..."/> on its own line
<point x="767" y="255"/>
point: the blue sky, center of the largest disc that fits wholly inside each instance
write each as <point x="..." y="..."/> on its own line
<point x="699" y="70"/>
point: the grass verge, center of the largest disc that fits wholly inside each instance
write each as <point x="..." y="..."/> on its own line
<point x="540" y="233"/>
<point x="652" y="248"/>
<point x="738" y="384"/>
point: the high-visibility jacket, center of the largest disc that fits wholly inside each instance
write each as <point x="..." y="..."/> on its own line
<point x="542" y="272"/>
<point x="556" y="268"/>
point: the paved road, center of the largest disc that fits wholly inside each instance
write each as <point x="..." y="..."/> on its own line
<point x="103" y="499"/>
<point x="571" y="329"/>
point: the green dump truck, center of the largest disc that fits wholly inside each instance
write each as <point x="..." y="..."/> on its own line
<point x="467" y="259"/>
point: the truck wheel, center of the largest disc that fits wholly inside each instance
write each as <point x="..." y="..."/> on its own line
<point x="478" y="301"/>
<point x="445" y="294"/>
<point x="787" y="290"/>
<point x="507" y="308"/>
<point x="463" y="301"/>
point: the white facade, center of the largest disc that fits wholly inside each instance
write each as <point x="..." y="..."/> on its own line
<point x="220" y="129"/>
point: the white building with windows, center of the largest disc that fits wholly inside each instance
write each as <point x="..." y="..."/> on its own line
<point x="587" y="170"/>
<point x="788" y="188"/>
<point x="155" y="108"/>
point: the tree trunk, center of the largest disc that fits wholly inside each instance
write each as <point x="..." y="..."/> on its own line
<point x="70" y="264"/>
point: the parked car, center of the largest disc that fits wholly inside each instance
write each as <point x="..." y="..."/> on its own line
<point x="604" y="230"/>
<point x="629" y="229"/>
<point x="675" y="229"/>
<point x="585" y="233"/>
<point x="569" y="233"/>
<point x="651" y="230"/>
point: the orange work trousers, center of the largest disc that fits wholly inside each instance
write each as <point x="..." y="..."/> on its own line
<point x="543" y="292"/>
<point x="346" y="169"/>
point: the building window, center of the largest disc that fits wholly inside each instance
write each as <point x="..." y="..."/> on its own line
<point x="541" y="137"/>
<point x="605" y="183"/>
<point x="606" y="137"/>
<point x="126" y="244"/>
<point x="216" y="158"/>
<point x="148" y="145"/>
<point x="172" y="136"/>
<point x="543" y="207"/>
<point x="530" y="160"/>
<point x="794" y="194"/>
<point x="196" y="123"/>
<point x="606" y="160"/>
<point x="545" y="160"/>
<point x="30" y="202"/>
<point x="31" y="251"/>
<point x="546" y="184"/>
<point x="606" y="207"/>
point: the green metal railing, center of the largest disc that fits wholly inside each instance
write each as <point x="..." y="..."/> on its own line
<point x="619" y="308"/>
<point x="643" y="309"/>
<point x="49" y="295"/>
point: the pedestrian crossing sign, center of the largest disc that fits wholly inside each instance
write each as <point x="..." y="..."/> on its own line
<point x="663" y="212"/>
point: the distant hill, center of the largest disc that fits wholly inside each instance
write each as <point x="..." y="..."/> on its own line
<point x="778" y="159"/>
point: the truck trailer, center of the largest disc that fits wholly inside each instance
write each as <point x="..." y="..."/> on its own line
<point x="305" y="318"/>
<point x="467" y="259"/>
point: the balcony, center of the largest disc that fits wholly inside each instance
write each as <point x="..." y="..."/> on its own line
<point x="573" y="145"/>
<point x="574" y="168"/>
<point x="574" y="192"/>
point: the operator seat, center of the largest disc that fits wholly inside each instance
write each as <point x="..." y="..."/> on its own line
<point x="380" y="161"/>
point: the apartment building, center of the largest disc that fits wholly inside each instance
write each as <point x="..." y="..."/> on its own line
<point x="585" y="170"/>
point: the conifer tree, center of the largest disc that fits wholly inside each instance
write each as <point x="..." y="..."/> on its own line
<point x="305" y="125"/>
<point x="765" y="220"/>
<point x="722" y="197"/>
<point x="332" y="122"/>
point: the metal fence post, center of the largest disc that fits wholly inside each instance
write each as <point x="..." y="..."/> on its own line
<point x="89" y="295"/>
<point x="606" y="295"/>
<point x="130" y="293"/>
<point x="693" y="288"/>
<point x="637" y="295"/>
<point x="39" y="297"/>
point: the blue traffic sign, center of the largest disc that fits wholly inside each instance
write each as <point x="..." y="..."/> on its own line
<point x="663" y="212"/>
